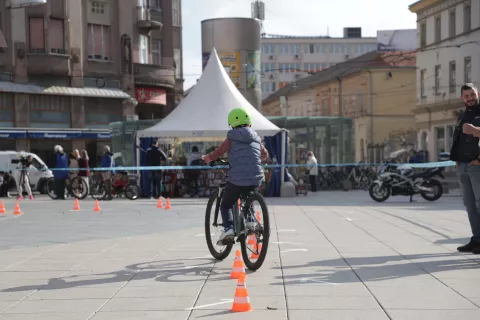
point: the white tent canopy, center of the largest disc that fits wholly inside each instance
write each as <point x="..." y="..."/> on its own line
<point x="204" y="112"/>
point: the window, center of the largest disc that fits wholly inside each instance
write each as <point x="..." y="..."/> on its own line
<point x="268" y="86"/>
<point x="423" y="35"/>
<point x="177" y="58"/>
<point x="56" y="36"/>
<point x="437" y="79"/>
<point x="452" y="76"/>
<point x="468" y="69"/>
<point x="467" y="18"/>
<point x="143" y="53"/>
<point x="156" y="51"/>
<point x="155" y="4"/>
<point x="311" y="67"/>
<point x="268" y="67"/>
<point x="452" y="24"/>
<point x="289" y="49"/>
<point x="309" y="49"/>
<point x="176" y="12"/>
<point x="98" y="42"/>
<point x="423" y="79"/>
<point x="98" y="7"/>
<point x="268" y="48"/>
<point x="37" y="35"/>
<point x="438" y="29"/>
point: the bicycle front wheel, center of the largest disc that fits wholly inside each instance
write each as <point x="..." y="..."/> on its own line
<point x="257" y="232"/>
<point x="50" y="188"/>
<point x="79" y="188"/>
<point x="213" y="229"/>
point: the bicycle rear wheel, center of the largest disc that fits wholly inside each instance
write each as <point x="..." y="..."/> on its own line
<point x="218" y="252"/>
<point x="79" y="188"/>
<point x="50" y="188"/>
<point x="254" y="243"/>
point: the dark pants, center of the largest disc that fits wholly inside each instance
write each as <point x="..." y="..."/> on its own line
<point x="231" y="194"/>
<point x="60" y="188"/>
<point x="155" y="183"/>
<point x="469" y="180"/>
<point x="313" y="183"/>
<point x="192" y="181"/>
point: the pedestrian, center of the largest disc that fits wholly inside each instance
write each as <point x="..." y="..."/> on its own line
<point x="60" y="175"/>
<point x="312" y="165"/>
<point x="154" y="158"/>
<point x="107" y="162"/>
<point x="6" y="182"/>
<point x="23" y="177"/>
<point x="72" y="164"/>
<point x="83" y="164"/>
<point x="466" y="153"/>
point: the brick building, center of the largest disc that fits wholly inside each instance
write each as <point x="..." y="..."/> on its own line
<point x="68" y="68"/>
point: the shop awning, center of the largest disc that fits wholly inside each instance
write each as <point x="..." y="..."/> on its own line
<point x="13" y="134"/>
<point x="64" y="91"/>
<point x="69" y="134"/>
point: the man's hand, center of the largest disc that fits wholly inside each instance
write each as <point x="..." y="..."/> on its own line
<point x="468" y="128"/>
<point x="203" y="158"/>
<point x="474" y="163"/>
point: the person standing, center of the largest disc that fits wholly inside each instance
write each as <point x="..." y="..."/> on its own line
<point x="61" y="174"/>
<point x="24" y="181"/>
<point x="154" y="158"/>
<point x="107" y="162"/>
<point x="194" y="159"/>
<point x="466" y="153"/>
<point x="312" y="164"/>
<point x="84" y="167"/>
<point x="6" y="182"/>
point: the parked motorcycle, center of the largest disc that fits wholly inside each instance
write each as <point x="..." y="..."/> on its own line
<point x="403" y="181"/>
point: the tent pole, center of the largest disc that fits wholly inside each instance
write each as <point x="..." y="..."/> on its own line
<point x="138" y="156"/>
<point x="282" y="161"/>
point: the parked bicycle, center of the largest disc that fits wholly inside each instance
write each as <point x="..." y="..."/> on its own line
<point x="124" y="184"/>
<point x="253" y="237"/>
<point x="76" y="187"/>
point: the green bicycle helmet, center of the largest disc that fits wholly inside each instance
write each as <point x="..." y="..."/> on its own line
<point x="239" y="117"/>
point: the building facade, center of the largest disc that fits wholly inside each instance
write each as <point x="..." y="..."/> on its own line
<point x="376" y="90"/>
<point x="448" y="46"/>
<point x="286" y="59"/>
<point x="71" y="67"/>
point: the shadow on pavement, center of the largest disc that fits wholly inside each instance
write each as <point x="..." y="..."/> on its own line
<point x="376" y="269"/>
<point x="155" y="270"/>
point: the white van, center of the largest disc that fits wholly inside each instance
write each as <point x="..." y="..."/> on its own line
<point x="39" y="173"/>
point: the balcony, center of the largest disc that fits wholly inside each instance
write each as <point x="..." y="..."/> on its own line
<point x="148" y="19"/>
<point x="55" y="63"/>
<point x="154" y="75"/>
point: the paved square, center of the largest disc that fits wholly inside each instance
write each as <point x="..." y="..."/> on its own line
<point x="332" y="256"/>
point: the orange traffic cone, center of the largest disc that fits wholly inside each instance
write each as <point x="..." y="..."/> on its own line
<point x="76" y="205"/>
<point x="258" y="216"/>
<point x="168" y="205"/>
<point x="251" y="239"/>
<point x="239" y="204"/>
<point x="16" y="210"/>
<point x="2" y="207"/>
<point x="160" y="203"/>
<point x="238" y="267"/>
<point x="241" y="300"/>
<point x="255" y="255"/>
<point x="96" y="208"/>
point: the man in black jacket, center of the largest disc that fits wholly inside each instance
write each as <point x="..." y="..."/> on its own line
<point x="155" y="157"/>
<point x="466" y="153"/>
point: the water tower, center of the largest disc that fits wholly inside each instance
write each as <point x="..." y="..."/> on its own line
<point x="237" y="41"/>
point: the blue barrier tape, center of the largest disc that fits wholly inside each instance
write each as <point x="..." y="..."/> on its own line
<point x="269" y="166"/>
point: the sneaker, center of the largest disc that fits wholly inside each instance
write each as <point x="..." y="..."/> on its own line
<point x="31" y="198"/>
<point x="226" y="238"/>
<point x="470" y="247"/>
<point x="19" y="198"/>
<point x="476" y="250"/>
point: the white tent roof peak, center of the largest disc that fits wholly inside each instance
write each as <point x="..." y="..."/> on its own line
<point x="204" y="112"/>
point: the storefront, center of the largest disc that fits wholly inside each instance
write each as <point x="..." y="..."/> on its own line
<point x="152" y="103"/>
<point x="8" y="139"/>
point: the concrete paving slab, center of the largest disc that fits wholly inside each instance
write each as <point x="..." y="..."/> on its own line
<point x="75" y="293"/>
<point x="255" y="314"/>
<point x="337" y="315"/>
<point x="55" y="306"/>
<point x="434" y="314"/>
<point x="144" y="315"/>
<point x="45" y="316"/>
<point x="148" y="304"/>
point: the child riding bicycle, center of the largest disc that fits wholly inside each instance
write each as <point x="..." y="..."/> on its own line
<point x="245" y="155"/>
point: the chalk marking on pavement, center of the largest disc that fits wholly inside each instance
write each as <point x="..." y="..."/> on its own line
<point x="305" y="280"/>
<point x="348" y="219"/>
<point x="286" y="230"/>
<point x="193" y="267"/>
<point x="294" y="250"/>
<point x="223" y="301"/>
<point x="287" y="242"/>
<point x="204" y="257"/>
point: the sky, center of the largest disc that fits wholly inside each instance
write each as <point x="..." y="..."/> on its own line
<point x="292" y="17"/>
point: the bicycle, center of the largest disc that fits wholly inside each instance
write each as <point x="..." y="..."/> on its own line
<point x="76" y="187"/>
<point x="254" y="239"/>
<point x="123" y="184"/>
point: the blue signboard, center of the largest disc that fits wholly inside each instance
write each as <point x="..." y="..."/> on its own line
<point x="12" y="134"/>
<point x="97" y="135"/>
<point x="55" y="134"/>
